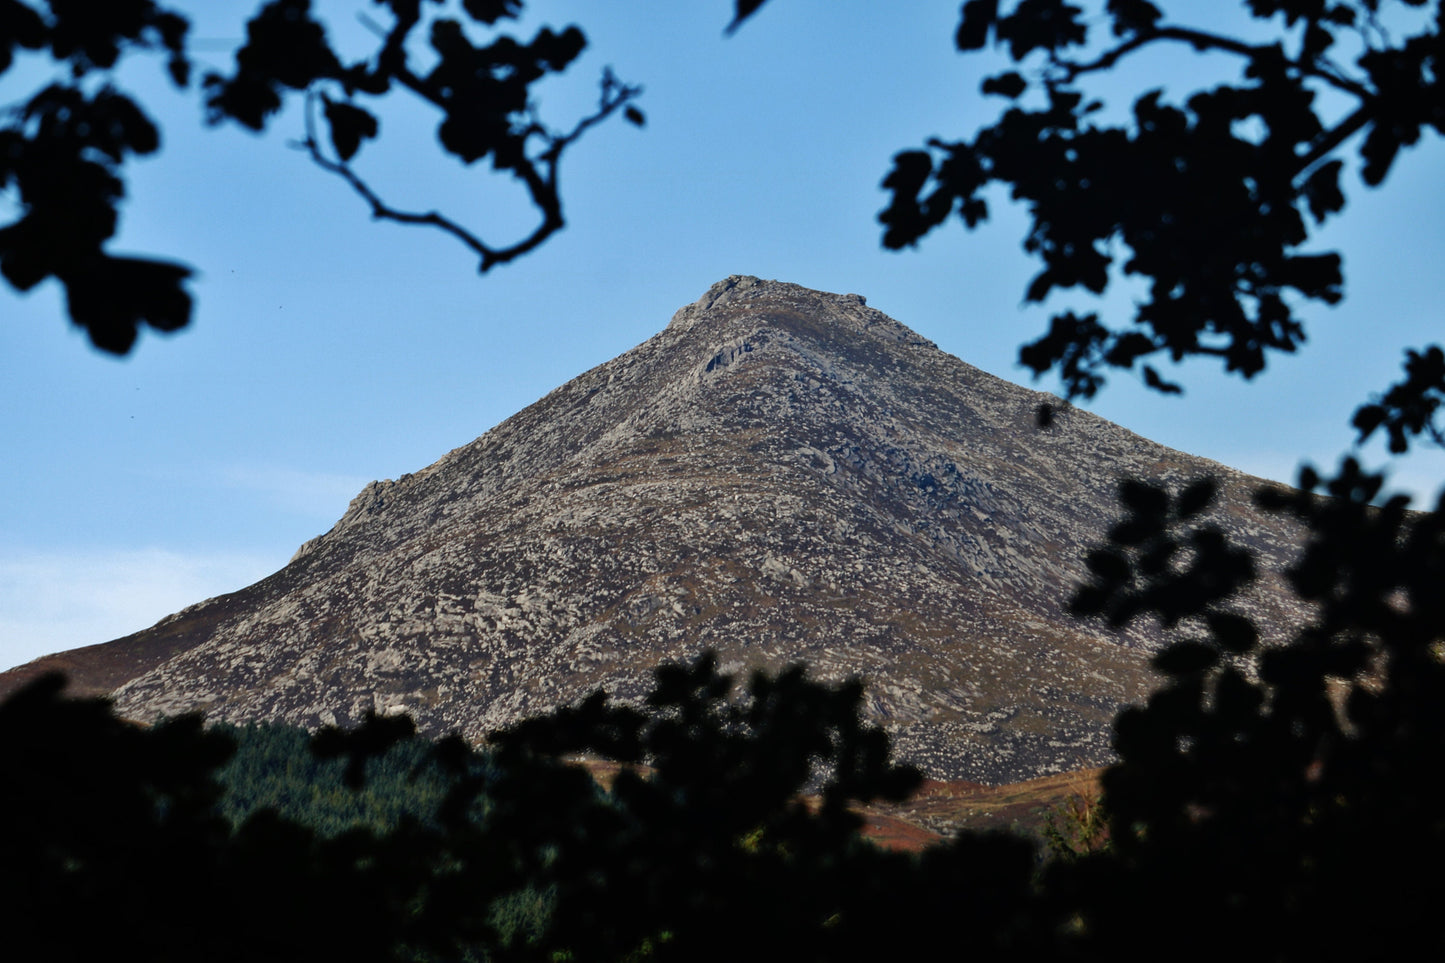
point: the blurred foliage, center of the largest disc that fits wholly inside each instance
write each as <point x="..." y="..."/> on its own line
<point x="1076" y="827"/>
<point x="1210" y="200"/>
<point x="63" y="151"/>
<point x="264" y="842"/>
<point x="1277" y="786"/>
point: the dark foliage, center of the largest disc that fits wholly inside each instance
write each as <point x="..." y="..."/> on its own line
<point x="261" y="842"/>
<point x="1278" y="793"/>
<point x="1408" y="408"/>
<point x="63" y="152"/>
<point x="115" y="838"/>
<point x="704" y="849"/>
<point x="710" y="848"/>
<point x="1209" y="200"/>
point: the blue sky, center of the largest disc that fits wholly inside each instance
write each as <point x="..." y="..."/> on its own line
<point x="327" y="350"/>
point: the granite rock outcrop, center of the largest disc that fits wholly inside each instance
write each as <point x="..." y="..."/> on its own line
<point x="781" y="474"/>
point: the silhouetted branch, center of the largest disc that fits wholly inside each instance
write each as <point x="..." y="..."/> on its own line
<point x="1332" y="138"/>
<point x="1202" y="40"/>
<point x="380" y="210"/>
<point x="539" y="173"/>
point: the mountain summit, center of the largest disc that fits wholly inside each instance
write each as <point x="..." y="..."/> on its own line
<point x="781" y="474"/>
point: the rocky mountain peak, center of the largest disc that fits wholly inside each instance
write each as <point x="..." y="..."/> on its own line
<point x="742" y="301"/>
<point x="780" y="474"/>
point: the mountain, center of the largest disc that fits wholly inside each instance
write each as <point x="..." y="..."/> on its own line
<point x="781" y="474"/>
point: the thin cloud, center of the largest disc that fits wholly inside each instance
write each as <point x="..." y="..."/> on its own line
<point x="321" y="494"/>
<point x="51" y="601"/>
<point x="1417" y="475"/>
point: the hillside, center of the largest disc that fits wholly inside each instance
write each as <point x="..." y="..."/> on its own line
<point x="780" y="474"/>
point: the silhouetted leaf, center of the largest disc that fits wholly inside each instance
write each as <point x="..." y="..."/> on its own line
<point x="1134" y="530"/>
<point x="977" y="20"/>
<point x="490" y="11"/>
<point x="743" y="10"/>
<point x="350" y="125"/>
<point x="112" y="297"/>
<point x="1272" y="498"/>
<point x="1234" y="633"/>
<point x="1133" y="16"/>
<point x="1143" y="498"/>
<point x="1185" y="658"/>
<point x="1128" y="347"/>
<point x="1152" y="380"/>
<point x="1040" y="24"/>
<point x="555" y="51"/>
<point x="1010" y="84"/>
<point x="20" y="26"/>
<point x="1196" y="498"/>
<point x="1367" y="418"/>
<point x="1108" y="565"/>
<point x="1089" y="600"/>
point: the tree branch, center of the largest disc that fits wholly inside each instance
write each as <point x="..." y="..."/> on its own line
<point x="614" y="94"/>
<point x="380" y="210"/>
<point x="1331" y="139"/>
<point x="541" y="184"/>
<point x="543" y="188"/>
<point x="1203" y="40"/>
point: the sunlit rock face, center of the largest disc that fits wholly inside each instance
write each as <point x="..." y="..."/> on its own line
<point x="780" y="475"/>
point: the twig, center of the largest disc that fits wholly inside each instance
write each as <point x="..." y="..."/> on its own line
<point x="1331" y="139"/>
<point x="1203" y="40"/>
<point x="379" y="208"/>
<point x="541" y="184"/>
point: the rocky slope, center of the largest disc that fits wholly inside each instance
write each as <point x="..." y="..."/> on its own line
<point x="781" y="474"/>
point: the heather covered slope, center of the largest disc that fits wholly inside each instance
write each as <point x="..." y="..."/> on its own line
<point x="781" y="474"/>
